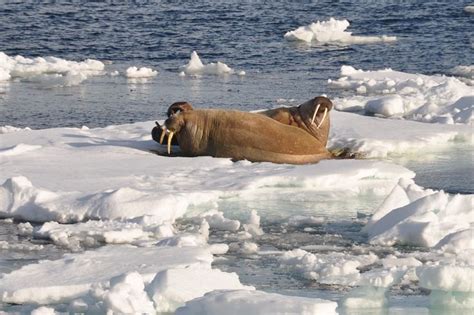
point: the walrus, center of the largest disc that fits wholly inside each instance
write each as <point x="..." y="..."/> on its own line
<point x="295" y="135"/>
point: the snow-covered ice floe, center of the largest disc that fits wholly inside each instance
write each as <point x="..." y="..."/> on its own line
<point x="464" y="73"/>
<point x="51" y="71"/>
<point x="196" y="67"/>
<point x="389" y="93"/>
<point x="332" y="31"/>
<point x="143" y="72"/>
<point x="122" y="196"/>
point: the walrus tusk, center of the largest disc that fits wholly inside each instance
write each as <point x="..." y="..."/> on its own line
<point x="314" y="115"/>
<point x="170" y="136"/>
<point x="163" y="131"/>
<point x="322" y="119"/>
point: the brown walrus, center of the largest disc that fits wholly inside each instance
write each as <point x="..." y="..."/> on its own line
<point x="295" y="135"/>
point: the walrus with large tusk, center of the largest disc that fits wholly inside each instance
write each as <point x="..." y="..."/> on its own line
<point x="296" y="135"/>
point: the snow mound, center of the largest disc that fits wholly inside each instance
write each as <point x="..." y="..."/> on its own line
<point x="255" y="302"/>
<point x="421" y="217"/>
<point x="48" y="70"/>
<point x="196" y="67"/>
<point x="389" y="93"/>
<point x="143" y="72"/>
<point x="332" y="31"/>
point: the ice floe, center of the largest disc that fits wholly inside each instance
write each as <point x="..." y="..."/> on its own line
<point x="389" y="93"/>
<point x="74" y="275"/>
<point x="196" y="67"/>
<point x="411" y="215"/>
<point x="255" y="302"/>
<point x="469" y="8"/>
<point x="51" y="71"/>
<point x="332" y="31"/>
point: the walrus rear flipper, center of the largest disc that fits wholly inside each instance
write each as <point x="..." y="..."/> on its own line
<point x="158" y="136"/>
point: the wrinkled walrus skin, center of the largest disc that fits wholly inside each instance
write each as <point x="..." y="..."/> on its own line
<point x="295" y="135"/>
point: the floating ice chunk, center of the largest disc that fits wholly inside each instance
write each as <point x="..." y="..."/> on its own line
<point x="424" y="221"/>
<point x="127" y="295"/>
<point x="20" y="247"/>
<point x="469" y="8"/>
<point x="18" y="149"/>
<point x="93" y="233"/>
<point x="335" y="268"/>
<point x="438" y="99"/>
<point x="49" y="70"/>
<point x="255" y="302"/>
<point x="217" y="221"/>
<point x="8" y="129"/>
<point x="248" y="248"/>
<point x="253" y="224"/>
<point x="300" y="220"/>
<point x="172" y="288"/>
<point x="143" y="72"/>
<point x="43" y="310"/>
<point x="332" y="31"/>
<point x="196" y="67"/>
<point x="365" y="297"/>
<point x="73" y="275"/>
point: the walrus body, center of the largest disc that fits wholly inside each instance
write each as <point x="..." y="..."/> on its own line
<point x="295" y="135"/>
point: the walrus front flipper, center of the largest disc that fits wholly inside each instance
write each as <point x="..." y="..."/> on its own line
<point x="160" y="135"/>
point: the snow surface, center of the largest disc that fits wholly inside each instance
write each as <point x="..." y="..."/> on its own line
<point x="389" y="93"/>
<point x="332" y="31"/>
<point x="196" y="67"/>
<point x="51" y="71"/>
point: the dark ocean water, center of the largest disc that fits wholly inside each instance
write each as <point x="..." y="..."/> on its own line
<point x="433" y="37"/>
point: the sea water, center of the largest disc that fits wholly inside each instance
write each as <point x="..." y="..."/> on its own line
<point x="432" y="38"/>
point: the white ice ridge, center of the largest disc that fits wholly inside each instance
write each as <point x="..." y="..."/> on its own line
<point x="332" y="31"/>
<point x="389" y="93"/>
<point x="411" y="215"/>
<point x="255" y="302"/>
<point x="196" y="67"/>
<point x="48" y="70"/>
<point x="143" y="72"/>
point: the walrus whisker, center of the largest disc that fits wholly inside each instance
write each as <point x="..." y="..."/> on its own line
<point x="163" y="132"/>
<point x="324" y="116"/>
<point x="170" y="136"/>
<point x="314" y="115"/>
